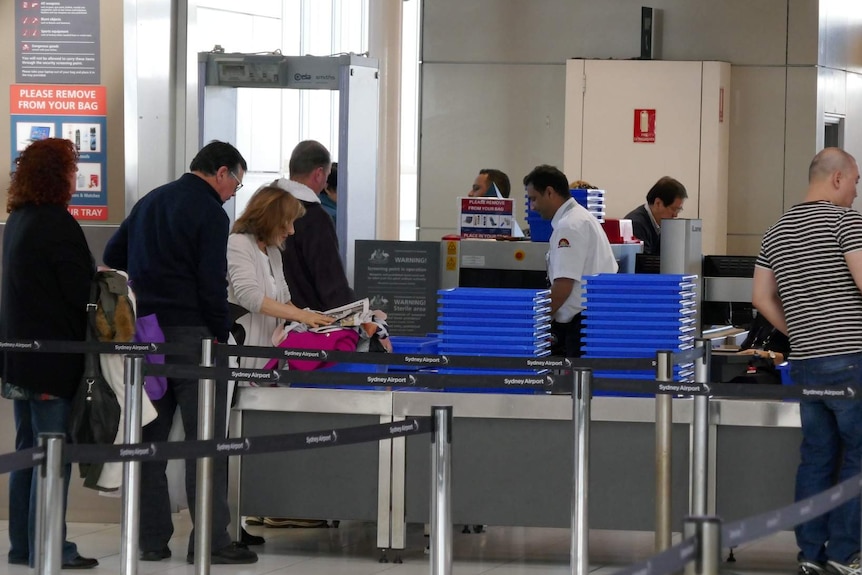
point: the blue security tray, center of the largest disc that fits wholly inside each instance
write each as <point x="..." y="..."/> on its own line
<point x="487" y="303"/>
<point x="645" y="376"/>
<point x="482" y="371"/>
<point x="469" y="312"/>
<point x="405" y="344"/>
<point x="657" y="290"/>
<point x="467" y="342"/>
<point x="639" y="279"/>
<point x="638" y="295"/>
<point x="612" y="352"/>
<point x="645" y="339"/>
<point x="658" y="310"/>
<point x="486" y="352"/>
<point x="495" y="322"/>
<point x="495" y="293"/>
<point x="631" y="303"/>
<point x="604" y="311"/>
<point x="623" y="345"/>
<point x="474" y="332"/>
<point x="474" y="349"/>
<point x="639" y="332"/>
<point x="637" y="324"/>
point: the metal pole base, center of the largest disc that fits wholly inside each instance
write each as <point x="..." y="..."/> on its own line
<point x="707" y="529"/>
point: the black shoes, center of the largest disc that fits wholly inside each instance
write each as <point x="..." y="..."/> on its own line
<point x="249" y="539"/>
<point x="155" y="555"/>
<point x="76" y="563"/>
<point x="282" y="522"/>
<point x="80" y="563"/>
<point x="233" y="554"/>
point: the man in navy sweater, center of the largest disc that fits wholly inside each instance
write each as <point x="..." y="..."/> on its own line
<point x="174" y="247"/>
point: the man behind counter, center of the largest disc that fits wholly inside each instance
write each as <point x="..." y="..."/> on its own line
<point x="663" y="201"/>
<point x="482" y="184"/>
<point x="578" y="247"/>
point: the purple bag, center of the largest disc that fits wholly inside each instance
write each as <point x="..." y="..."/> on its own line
<point x="337" y="340"/>
<point x="147" y="330"/>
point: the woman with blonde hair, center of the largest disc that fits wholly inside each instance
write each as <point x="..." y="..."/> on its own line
<point x="257" y="289"/>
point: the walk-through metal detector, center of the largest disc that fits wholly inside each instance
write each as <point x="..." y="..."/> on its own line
<point x="356" y="78"/>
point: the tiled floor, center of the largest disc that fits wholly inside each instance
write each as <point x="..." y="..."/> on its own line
<point x="350" y="550"/>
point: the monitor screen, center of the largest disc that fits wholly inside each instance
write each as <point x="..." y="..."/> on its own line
<point x="647" y="264"/>
<point x="728" y="266"/>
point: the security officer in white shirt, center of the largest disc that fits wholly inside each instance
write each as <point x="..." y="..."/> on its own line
<point x="578" y="248"/>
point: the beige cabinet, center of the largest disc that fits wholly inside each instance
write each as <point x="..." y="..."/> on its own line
<point x="630" y="122"/>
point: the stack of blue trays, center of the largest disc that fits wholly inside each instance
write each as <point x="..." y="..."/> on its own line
<point x="493" y="322"/>
<point x="632" y="316"/>
<point x="592" y="200"/>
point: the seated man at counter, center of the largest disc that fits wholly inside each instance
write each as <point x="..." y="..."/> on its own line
<point x="482" y="184"/>
<point x="578" y="247"/>
<point x="663" y="201"/>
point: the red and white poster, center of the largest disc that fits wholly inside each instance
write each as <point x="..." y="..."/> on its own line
<point x="486" y="217"/>
<point x="644" y="127"/>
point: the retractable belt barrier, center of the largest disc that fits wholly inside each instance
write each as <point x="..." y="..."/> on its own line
<point x="546" y="382"/>
<point x="554" y="374"/>
<point x="549" y="382"/>
<point x="21" y="459"/>
<point x="193" y="449"/>
<point x="750" y="529"/>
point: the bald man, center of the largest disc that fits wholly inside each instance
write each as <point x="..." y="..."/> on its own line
<point x="808" y="284"/>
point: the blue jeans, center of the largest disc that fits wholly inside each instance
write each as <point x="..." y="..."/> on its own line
<point x="831" y="451"/>
<point x="33" y="417"/>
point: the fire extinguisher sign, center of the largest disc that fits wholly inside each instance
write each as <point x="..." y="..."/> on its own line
<point x="644" y="127"/>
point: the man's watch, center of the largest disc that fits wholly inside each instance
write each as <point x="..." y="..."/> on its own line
<point x="771" y="355"/>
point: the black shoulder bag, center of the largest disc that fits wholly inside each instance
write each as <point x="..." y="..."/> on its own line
<point x="95" y="415"/>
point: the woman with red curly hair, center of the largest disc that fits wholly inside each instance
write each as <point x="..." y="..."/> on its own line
<point x="44" y="291"/>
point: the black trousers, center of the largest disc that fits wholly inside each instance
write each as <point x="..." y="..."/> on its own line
<point x="566" y="339"/>
<point x="156" y="527"/>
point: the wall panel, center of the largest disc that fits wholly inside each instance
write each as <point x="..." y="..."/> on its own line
<point x="477" y="116"/>
<point x="756" y="149"/>
<point x="738" y="31"/>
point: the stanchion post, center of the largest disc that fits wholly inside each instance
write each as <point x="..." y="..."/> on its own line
<point x="581" y="396"/>
<point x="204" y="495"/>
<point x="663" y="429"/>
<point x="698" y="476"/>
<point x="707" y="531"/>
<point x="133" y="380"/>
<point x="441" y="491"/>
<point x="50" y="506"/>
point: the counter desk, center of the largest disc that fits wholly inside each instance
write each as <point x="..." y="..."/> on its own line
<point x="335" y="483"/>
<point x="511" y="459"/>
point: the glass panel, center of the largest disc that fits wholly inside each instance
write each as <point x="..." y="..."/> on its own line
<point x="409" y="119"/>
<point x="270" y="8"/>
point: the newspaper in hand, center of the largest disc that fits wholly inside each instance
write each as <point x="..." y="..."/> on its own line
<point x="350" y="315"/>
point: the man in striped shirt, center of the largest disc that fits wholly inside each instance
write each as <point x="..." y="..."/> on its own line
<point x="807" y="283"/>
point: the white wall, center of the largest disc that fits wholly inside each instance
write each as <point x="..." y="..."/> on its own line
<point x="778" y="92"/>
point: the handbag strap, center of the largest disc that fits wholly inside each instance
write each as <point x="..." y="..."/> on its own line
<point x="91" y="360"/>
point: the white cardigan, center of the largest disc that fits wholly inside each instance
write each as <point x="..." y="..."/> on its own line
<point x="248" y="283"/>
